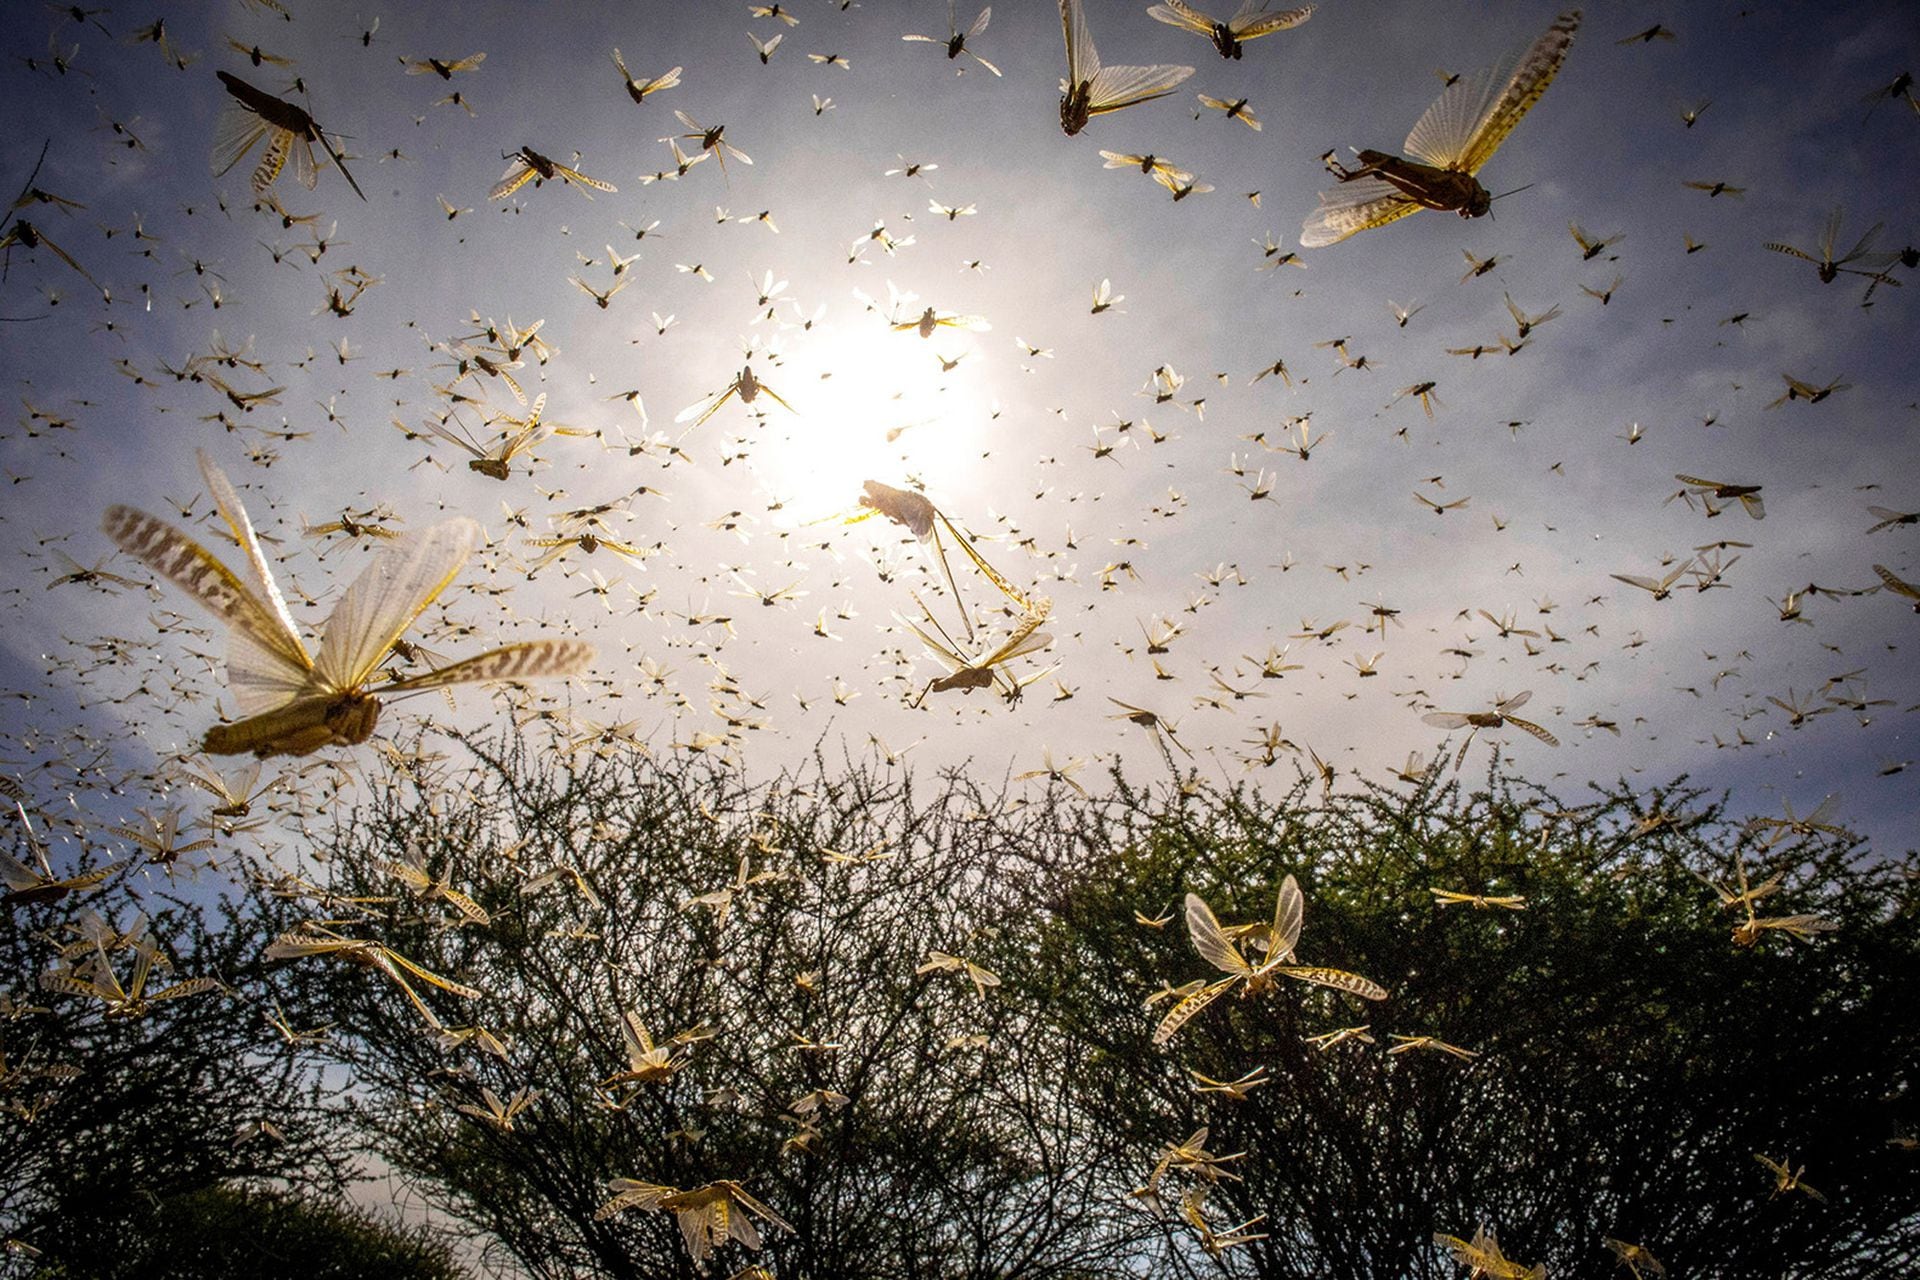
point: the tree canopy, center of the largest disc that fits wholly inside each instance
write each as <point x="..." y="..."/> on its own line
<point x="637" y="1017"/>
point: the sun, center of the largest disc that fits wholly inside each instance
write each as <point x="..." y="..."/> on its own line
<point x="871" y="404"/>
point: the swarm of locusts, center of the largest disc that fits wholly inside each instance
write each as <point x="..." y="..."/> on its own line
<point x="616" y="584"/>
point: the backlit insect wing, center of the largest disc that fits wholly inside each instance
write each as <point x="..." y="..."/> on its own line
<point x="1289" y="913"/>
<point x="631" y="1193"/>
<point x="24" y="883"/>
<point x="530" y="431"/>
<point x="316" y="940"/>
<point x="445" y="70"/>
<point x="1176" y="13"/>
<point x="961" y="673"/>
<point x="1534" y="729"/>
<point x="956" y="42"/>
<point x="1472" y="722"/>
<point x="38" y="884"/>
<point x="1748" y="495"/>
<point x="1083" y="60"/>
<point x="1211" y="941"/>
<point x="991" y="574"/>
<point x="280" y="146"/>
<point x="953" y="40"/>
<point x="1479" y="1253"/>
<point x="712" y="1215"/>
<point x="1338" y="979"/>
<point x="646" y="1062"/>
<point x="699" y="411"/>
<point x="525" y="660"/>
<point x="1821" y="819"/>
<point x="1252" y="20"/>
<point x="1830" y="236"/>
<point x="527" y="164"/>
<point x="639" y="89"/>
<point x="1353" y="207"/>
<point x="712" y="140"/>
<point x="1026" y="638"/>
<point x="495" y="460"/>
<point x="1888" y="517"/>
<point x="1458" y="134"/>
<point x="1091" y="89"/>
<point x="969" y="674"/>
<point x="519" y="173"/>
<point x="397" y="966"/>
<point x="1216" y="1240"/>
<point x="1899" y="586"/>
<point x="237" y="133"/>
<point x="1871" y="264"/>
<point x="765" y="48"/>
<point x="385" y="599"/>
<point x="266" y="663"/>
<point x="1469" y="121"/>
<point x="1117" y="87"/>
<point x="1237" y="110"/>
<point x="1146" y="164"/>
<point x="580" y="179"/>
<point x="921" y="518"/>
<point x="291" y="131"/>
<point x="1188" y="1008"/>
<point x="288" y="701"/>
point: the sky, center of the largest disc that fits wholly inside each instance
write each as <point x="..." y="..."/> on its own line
<point x="1149" y="525"/>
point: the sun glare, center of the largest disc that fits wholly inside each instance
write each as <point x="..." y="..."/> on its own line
<point x="873" y="404"/>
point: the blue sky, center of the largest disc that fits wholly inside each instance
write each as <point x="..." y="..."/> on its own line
<point x="1002" y="441"/>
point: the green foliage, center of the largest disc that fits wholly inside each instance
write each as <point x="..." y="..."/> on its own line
<point x="228" y="1232"/>
<point x="1630" y="1055"/>
<point x="104" y="1113"/>
<point x="1633" y="1060"/>
<point x="797" y="974"/>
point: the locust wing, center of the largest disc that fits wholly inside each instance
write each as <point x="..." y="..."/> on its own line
<point x="518" y="173"/>
<point x="238" y="131"/>
<point x="1117" y="87"/>
<point x="523" y="661"/>
<point x="284" y="637"/>
<point x="1083" y="60"/>
<point x="385" y="599"/>
<point x="1177" y="13"/>
<point x="1254" y="20"/>
<point x="266" y="664"/>
<point x="1289" y="912"/>
<point x="1353" y="207"/>
<point x="581" y="179"/>
<point x="1468" y="122"/>
<point x="1211" y="941"/>
<point x="1184" y="1012"/>
<point x="1533" y="729"/>
<point x="1338" y="979"/>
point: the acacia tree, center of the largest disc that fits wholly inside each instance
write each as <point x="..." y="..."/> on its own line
<point x="1632" y="1060"/>
<point x="108" y="1109"/>
<point x="1627" y="1061"/>
<point x="772" y="941"/>
<point x="235" y="1231"/>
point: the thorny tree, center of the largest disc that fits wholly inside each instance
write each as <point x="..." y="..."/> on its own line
<point x="1629" y="1059"/>
<point x="107" y="1109"/>
<point x="792" y="1030"/>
